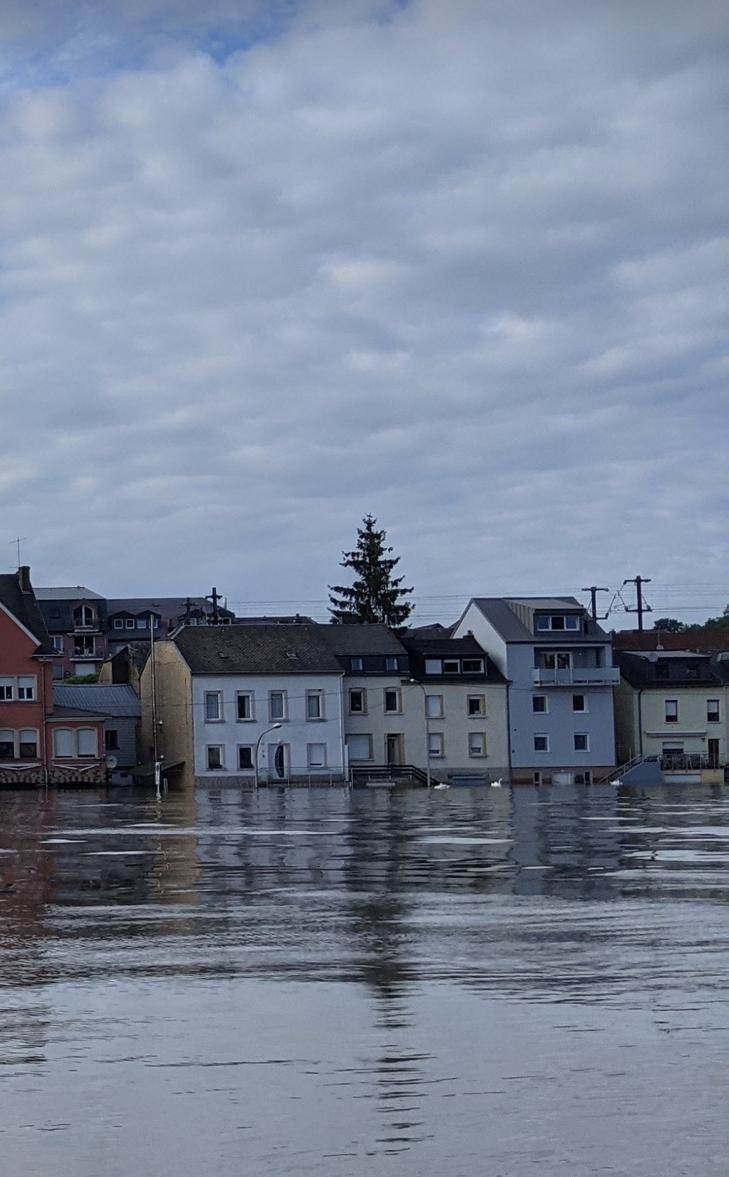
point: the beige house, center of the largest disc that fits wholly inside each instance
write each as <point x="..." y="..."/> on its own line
<point x="672" y="705"/>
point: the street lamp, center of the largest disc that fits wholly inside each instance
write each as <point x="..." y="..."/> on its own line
<point x="414" y="682"/>
<point x="273" y="728"/>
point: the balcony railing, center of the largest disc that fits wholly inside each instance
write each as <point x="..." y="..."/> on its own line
<point x="577" y="676"/>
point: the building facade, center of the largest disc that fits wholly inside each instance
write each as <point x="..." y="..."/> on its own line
<point x="558" y="663"/>
<point x="76" y="622"/>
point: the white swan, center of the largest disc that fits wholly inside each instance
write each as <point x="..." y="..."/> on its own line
<point x="496" y="784"/>
<point x="442" y="785"/>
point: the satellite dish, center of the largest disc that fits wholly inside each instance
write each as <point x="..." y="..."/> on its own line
<point x="111" y="762"/>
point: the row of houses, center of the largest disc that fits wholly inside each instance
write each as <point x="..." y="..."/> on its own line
<point x="529" y="689"/>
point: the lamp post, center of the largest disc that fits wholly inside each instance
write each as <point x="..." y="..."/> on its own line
<point x="273" y="728"/>
<point x="414" y="682"/>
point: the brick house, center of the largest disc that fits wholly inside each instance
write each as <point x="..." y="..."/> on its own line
<point x="39" y="744"/>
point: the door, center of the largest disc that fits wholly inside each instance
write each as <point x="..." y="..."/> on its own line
<point x="713" y="753"/>
<point x="278" y="761"/>
<point x="393" y="748"/>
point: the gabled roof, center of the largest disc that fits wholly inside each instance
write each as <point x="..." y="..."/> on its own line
<point x="16" y="594"/>
<point x="77" y="592"/>
<point x="117" y="700"/>
<point x="361" y="640"/>
<point x="256" y="649"/>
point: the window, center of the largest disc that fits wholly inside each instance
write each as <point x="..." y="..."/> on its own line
<point x="436" y="745"/>
<point x="83" y="615"/>
<point x="7" y="744"/>
<point x="391" y="664"/>
<point x="539" y="704"/>
<point x="118" y="623"/>
<point x="556" y="660"/>
<point x="476" y="705"/>
<point x="63" y="742"/>
<point x="7" y="689"/>
<point x="476" y="743"/>
<point x="357" y="702"/>
<point x="142" y="623"/>
<point x="87" y="745"/>
<point x="28" y="745"/>
<point x="276" y="705"/>
<point x="316" y="755"/>
<point x="556" y="622"/>
<point x="213" y="707"/>
<point x="579" y="703"/>
<point x="434" y="706"/>
<point x="83" y="644"/>
<point x="214" y="756"/>
<point x="433" y="666"/>
<point x="571" y="622"/>
<point x="359" y="747"/>
<point x="26" y="688"/>
<point x="712" y="711"/>
<point x="111" y="740"/>
<point x="57" y="640"/>
<point x="537" y="778"/>
<point x="472" y="665"/>
<point x="671" y="710"/>
<point x="541" y="743"/>
<point x="129" y="623"/>
<point x="314" y="705"/>
<point x="245" y="757"/>
<point x="582" y="742"/>
<point x="392" y="701"/>
<point x="356" y="663"/>
<point x="451" y="666"/>
<point x="244" y="705"/>
<point x="543" y="623"/>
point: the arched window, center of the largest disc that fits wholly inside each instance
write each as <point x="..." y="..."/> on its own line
<point x="83" y="615"/>
<point x="7" y="744"/>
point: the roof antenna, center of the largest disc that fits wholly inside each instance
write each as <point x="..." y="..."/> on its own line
<point x="19" y="539"/>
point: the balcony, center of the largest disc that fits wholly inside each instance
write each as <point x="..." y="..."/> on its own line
<point x="577" y="676"/>
<point x="92" y="628"/>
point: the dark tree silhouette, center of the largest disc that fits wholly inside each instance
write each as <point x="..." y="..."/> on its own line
<point x="375" y="594"/>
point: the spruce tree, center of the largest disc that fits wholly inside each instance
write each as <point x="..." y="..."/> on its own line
<point x="375" y="595"/>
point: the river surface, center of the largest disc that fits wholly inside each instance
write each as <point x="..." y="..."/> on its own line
<point x="326" y="982"/>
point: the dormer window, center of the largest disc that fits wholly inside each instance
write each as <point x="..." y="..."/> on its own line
<point x="83" y="615"/>
<point x="356" y="663"/>
<point x="391" y="663"/>
<point x="558" y="622"/>
<point x="451" y="666"/>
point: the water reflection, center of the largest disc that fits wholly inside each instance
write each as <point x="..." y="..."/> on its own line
<point x="305" y="979"/>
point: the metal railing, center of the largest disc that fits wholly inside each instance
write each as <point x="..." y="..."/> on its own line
<point x="576" y="676"/>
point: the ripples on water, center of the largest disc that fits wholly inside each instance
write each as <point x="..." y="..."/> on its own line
<point x="333" y="982"/>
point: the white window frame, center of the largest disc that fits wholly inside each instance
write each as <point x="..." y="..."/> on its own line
<point x="434" y="707"/>
<point x="27" y="682"/>
<point x="7" y="736"/>
<point x="57" y="733"/>
<point x="480" y="711"/>
<point x="451" y="666"/>
<point x="359" y="736"/>
<point x="16" y="739"/>
<point x="250" y="696"/>
<point x="670" y="710"/>
<point x="716" y="717"/>
<point x="356" y="664"/>
<point x="87" y="731"/>
<point x="584" y="708"/>
<point x="310" y="756"/>
<point x="436" y="745"/>
<point x="361" y="691"/>
<point x="477" y="668"/>
<point x="581" y="736"/>
<point x="130" y="623"/>
<point x="284" y="705"/>
<point x="245" y="767"/>
<point x="397" y="710"/>
<point x="218" y="697"/>
<point x="433" y="665"/>
<point x="7" y="688"/>
<point x="479" y="752"/>
<point x="391" y="664"/>
<point x="540" y="710"/>
<point x="214" y="767"/>
<point x="541" y="736"/>
<point x="118" y="623"/>
<point x="318" y="697"/>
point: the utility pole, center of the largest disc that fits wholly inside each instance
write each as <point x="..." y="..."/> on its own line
<point x="640" y="605"/>
<point x="593" y="590"/>
<point x="155" y="731"/>
<point x="215" y="597"/>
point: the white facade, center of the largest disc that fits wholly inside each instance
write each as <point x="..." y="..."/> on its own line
<point x="233" y="714"/>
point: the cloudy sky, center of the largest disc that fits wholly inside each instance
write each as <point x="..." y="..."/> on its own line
<point x="458" y="263"/>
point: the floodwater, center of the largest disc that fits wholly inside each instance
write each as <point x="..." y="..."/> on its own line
<point x="467" y="982"/>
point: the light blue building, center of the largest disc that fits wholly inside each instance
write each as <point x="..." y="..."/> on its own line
<point x="559" y="666"/>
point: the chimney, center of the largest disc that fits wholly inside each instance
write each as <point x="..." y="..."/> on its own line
<point x="24" y="579"/>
